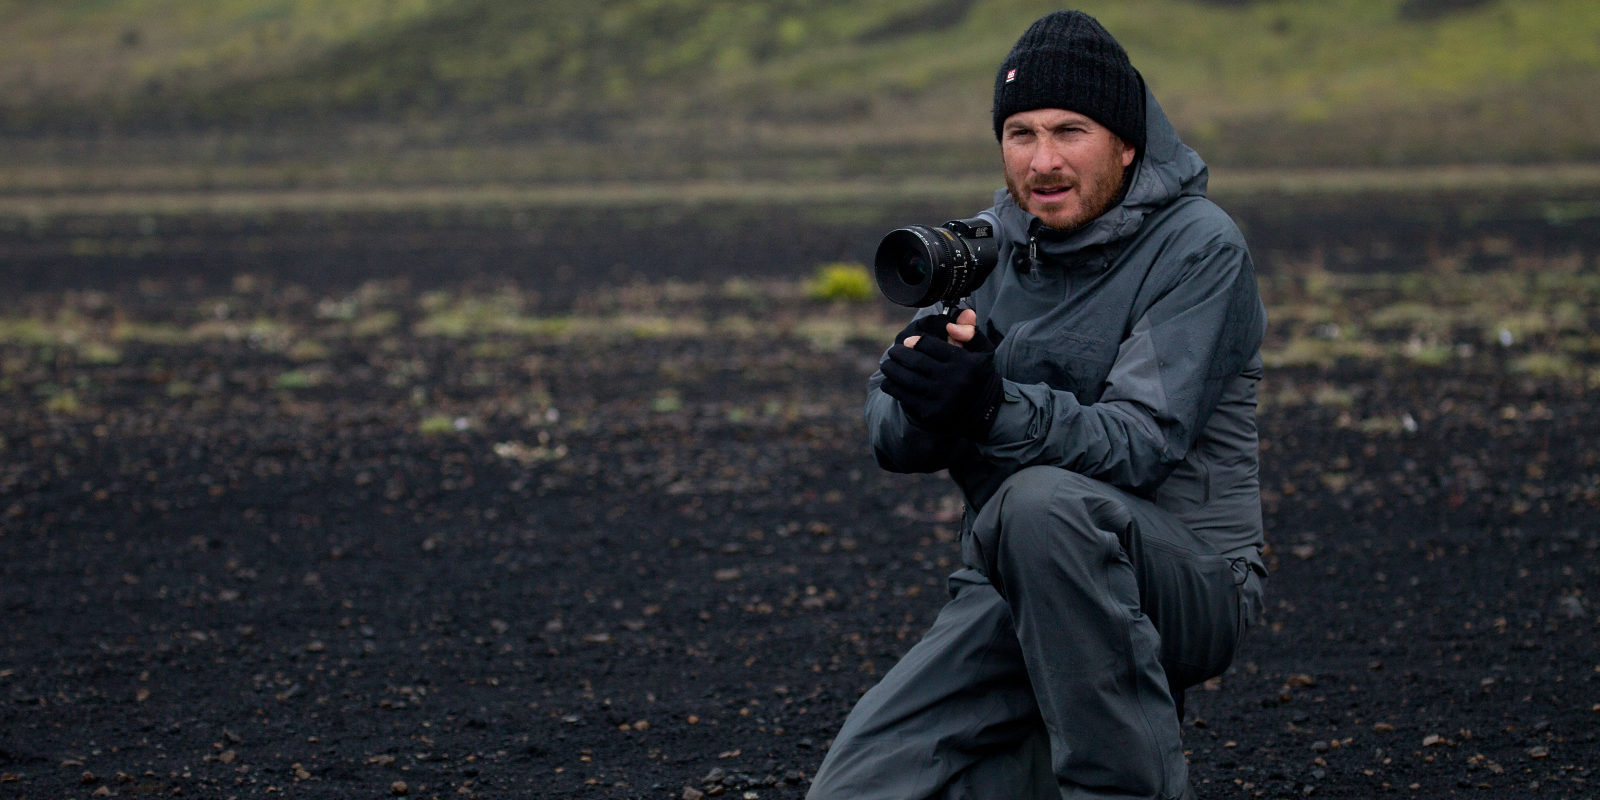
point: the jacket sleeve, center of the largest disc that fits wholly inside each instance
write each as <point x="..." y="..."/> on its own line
<point x="1167" y="378"/>
<point x="898" y="444"/>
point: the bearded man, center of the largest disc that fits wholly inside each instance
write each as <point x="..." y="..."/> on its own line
<point x="1095" y="405"/>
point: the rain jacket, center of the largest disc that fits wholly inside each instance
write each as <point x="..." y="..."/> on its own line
<point x="1129" y="349"/>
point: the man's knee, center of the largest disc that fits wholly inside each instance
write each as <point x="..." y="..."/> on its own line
<point x="1040" y="511"/>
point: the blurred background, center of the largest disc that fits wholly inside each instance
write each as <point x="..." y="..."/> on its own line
<point x="566" y="145"/>
<point x="612" y="103"/>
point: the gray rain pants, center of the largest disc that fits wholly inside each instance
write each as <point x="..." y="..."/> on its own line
<point x="1050" y="673"/>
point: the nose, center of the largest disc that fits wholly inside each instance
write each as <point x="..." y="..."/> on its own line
<point x="1046" y="159"/>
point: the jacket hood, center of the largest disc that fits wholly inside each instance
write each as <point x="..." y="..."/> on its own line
<point x="1166" y="170"/>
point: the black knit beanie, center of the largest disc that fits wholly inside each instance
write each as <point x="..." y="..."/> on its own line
<point x="1067" y="60"/>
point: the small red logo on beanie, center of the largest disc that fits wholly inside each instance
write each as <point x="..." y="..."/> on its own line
<point x="1011" y="75"/>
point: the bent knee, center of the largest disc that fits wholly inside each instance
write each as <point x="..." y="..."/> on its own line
<point x="1040" y="509"/>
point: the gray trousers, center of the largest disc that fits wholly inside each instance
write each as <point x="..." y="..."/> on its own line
<point x="1051" y="672"/>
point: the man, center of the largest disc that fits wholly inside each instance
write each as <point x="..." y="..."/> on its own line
<point x="1096" y="407"/>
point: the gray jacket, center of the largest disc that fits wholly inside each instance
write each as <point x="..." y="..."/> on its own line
<point x="1130" y="353"/>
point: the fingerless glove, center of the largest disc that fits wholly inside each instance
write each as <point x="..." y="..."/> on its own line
<point x="945" y="388"/>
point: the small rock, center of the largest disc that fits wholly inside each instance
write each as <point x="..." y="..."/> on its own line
<point x="1538" y="751"/>
<point x="691" y="793"/>
<point x="399" y="789"/>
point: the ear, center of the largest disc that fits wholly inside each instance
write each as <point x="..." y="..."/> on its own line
<point x="1127" y="154"/>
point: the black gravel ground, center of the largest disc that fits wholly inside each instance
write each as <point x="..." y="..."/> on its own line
<point x="282" y="538"/>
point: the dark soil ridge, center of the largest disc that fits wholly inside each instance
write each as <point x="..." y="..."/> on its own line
<point x="564" y="252"/>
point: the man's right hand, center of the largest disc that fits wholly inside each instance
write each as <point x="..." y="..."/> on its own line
<point x="930" y="325"/>
<point x="959" y="333"/>
<point x="947" y="386"/>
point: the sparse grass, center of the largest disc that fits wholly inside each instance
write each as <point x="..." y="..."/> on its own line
<point x="666" y="402"/>
<point x="63" y="402"/>
<point x="1537" y="325"/>
<point x="376" y="323"/>
<point x="1319" y="319"/>
<point x="1548" y="365"/>
<point x="1308" y="351"/>
<point x="99" y="353"/>
<point x="307" y="350"/>
<point x="833" y="332"/>
<point x="297" y="379"/>
<point x="27" y="331"/>
<point x="149" y="333"/>
<point x="440" y="425"/>
<point x="501" y="314"/>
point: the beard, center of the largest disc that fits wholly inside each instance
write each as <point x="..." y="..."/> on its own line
<point x="1083" y="204"/>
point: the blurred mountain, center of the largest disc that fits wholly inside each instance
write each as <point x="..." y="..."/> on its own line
<point x="422" y="91"/>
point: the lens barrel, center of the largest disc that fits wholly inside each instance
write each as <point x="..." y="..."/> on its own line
<point x="920" y="265"/>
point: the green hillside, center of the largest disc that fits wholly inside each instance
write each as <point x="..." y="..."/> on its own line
<point x="296" y="92"/>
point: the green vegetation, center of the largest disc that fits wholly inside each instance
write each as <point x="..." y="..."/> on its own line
<point x="297" y="379"/>
<point x="168" y="94"/>
<point x="458" y="317"/>
<point x="1536" y="325"/>
<point x="1538" y="322"/>
<point x="440" y="425"/>
<point x="850" y="282"/>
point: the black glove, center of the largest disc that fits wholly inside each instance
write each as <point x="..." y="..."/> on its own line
<point x="928" y="325"/>
<point x="942" y="387"/>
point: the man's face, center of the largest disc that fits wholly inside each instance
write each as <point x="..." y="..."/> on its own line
<point x="1061" y="166"/>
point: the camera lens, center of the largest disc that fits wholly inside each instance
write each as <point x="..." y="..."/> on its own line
<point x="915" y="270"/>
<point x="919" y="265"/>
<point x="913" y="265"/>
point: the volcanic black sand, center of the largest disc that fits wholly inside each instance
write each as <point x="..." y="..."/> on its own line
<point x="312" y="538"/>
